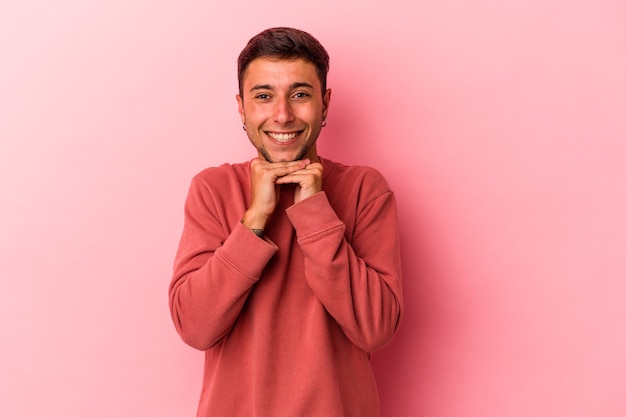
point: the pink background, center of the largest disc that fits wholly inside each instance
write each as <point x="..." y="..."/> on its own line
<point x="500" y="124"/>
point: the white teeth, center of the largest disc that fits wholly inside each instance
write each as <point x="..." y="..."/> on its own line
<point x="282" y="137"/>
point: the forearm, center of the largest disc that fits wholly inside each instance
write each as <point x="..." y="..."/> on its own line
<point x="359" y="281"/>
<point x="209" y="287"/>
<point x="365" y="302"/>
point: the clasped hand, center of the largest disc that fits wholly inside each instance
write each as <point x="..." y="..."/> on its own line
<point x="266" y="178"/>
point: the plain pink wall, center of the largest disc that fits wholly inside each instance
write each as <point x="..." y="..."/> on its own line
<point x="500" y="124"/>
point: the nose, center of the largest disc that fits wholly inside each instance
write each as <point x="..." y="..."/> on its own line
<point x="283" y="112"/>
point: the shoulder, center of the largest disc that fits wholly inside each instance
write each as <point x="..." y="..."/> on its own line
<point x="362" y="177"/>
<point x="222" y="176"/>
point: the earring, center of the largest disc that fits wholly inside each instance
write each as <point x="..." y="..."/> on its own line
<point x="243" y="127"/>
<point x="324" y="122"/>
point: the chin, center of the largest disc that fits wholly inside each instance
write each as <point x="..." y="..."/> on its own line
<point x="283" y="158"/>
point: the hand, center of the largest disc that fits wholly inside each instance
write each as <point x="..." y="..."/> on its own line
<point x="309" y="180"/>
<point x="264" y="177"/>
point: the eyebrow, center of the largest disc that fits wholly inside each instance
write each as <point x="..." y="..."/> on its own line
<point x="291" y="87"/>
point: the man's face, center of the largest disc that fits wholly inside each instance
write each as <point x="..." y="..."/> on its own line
<point x="282" y="108"/>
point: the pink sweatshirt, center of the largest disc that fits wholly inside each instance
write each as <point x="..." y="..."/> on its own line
<point x="288" y="322"/>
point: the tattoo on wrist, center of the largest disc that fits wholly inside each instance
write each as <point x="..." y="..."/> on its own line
<point x="259" y="232"/>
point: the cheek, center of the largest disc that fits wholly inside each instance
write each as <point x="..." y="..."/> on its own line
<point x="256" y="114"/>
<point x="311" y="115"/>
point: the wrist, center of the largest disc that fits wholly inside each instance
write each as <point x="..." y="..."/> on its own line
<point x="253" y="221"/>
<point x="259" y="232"/>
<point x="255" y="224"/>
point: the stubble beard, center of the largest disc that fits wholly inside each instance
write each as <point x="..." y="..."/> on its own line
<point x="300" y="155"/>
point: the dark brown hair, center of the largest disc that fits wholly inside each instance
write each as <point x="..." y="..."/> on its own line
<point x="284" y="43"/>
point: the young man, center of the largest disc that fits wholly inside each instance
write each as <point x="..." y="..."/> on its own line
<point x="288" y="269"/>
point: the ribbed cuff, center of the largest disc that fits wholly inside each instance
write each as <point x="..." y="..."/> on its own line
<point x="313" y="216"/>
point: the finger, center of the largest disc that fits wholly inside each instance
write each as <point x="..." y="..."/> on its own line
<point x="314" y="170"/>
<point x="302" y="177"/>
<point x="280" y="169"/>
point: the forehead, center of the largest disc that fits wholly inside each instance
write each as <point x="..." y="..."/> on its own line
<point x="278" y="72"/>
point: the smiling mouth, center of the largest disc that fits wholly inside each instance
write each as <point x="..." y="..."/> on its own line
<point x="283" y="137"/>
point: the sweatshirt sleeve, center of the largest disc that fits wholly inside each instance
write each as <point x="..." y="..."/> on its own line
<point x="214" y="270"/>
<point x="358" y="282"/>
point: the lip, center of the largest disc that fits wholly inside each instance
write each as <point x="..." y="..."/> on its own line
<point x="283" y="138"/>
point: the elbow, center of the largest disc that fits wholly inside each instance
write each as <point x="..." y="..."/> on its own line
<point x="197" y="338"/>
<point x="379" y="335"/>
<point x="194" y="334"/>
<point x="199" y="343"/>
<point x="378" y="340"/>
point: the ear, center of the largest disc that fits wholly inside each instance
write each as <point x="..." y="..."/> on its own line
<point x="240" y="108"/>
<point x="326" y="102"/>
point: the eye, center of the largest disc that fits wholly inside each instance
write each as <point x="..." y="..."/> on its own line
<point x="301" y="95"/>
<point x="262" y="96"/>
